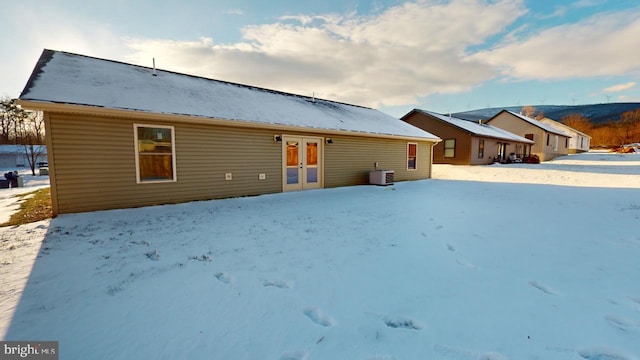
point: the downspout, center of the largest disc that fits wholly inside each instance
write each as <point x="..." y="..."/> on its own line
<point x="433" y="144"/>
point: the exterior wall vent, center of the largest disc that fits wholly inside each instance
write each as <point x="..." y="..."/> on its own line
<point x="381" y="177"/>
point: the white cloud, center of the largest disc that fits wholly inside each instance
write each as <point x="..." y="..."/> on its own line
<point x="627" y="98"/>
<point x="562" y="10"/>
<point x="388" y="58"/>
<point x="619" y="87"/>
<point x="54" y="31"/>
<point x="602" y="45"/>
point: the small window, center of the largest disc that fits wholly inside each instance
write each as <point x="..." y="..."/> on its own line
<point x="450" y="148"/>
<point x="528" y="136"/>
<point x="548" y="138"/>
<point x="412" y="156"/>
<point x="155" y="153"/>
<point x="566" y="143"/>
<point x="481" y="149"/>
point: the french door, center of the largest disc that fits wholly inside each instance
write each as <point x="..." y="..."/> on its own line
<point x="301" y="163"/>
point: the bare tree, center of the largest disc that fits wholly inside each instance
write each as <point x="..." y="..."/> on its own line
<point x="630" y="123"/>
<point x="616" y="133"/>
<point x="8" y="109"/>
<point x="528" y="111"/>
<point x="28" y="131"/>
<point x="578" y="122"/>
<point x="532" y="112"/>
<point x="31" y="136"/>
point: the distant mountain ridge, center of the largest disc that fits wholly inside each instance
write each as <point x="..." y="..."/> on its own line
<point x="596" y="113"/>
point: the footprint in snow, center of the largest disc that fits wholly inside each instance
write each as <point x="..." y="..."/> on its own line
<point x="277" y="283"/>
<point x="318" y="317"/>
<point x="451" y="248"/>
<point x="296" y="355"/>
<point x="454" y="353"/>
<point x="466" y="264"/>
<point x="153" y="255"/>
<point x="621" y="323"/>
<point x="402" y="323"/>
<point x="602" y="353"/>
<point x="545" y="289"/>
<point x="493" y="356"/>
<point x="224" y="277"/>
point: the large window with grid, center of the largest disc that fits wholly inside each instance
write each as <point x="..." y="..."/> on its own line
<point x="155" y="153"/>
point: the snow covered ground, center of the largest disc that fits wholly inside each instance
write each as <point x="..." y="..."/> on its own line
<point x="480" y="263"/>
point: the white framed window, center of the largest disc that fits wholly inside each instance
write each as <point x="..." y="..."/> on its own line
<point x="412" y="156"/>
<point x="155" y="153"/>
<point x="555" y="143"/>
<point x="450" y="148"/>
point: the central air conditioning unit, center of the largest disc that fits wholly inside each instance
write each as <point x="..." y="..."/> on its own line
<point x="381" y="177"/>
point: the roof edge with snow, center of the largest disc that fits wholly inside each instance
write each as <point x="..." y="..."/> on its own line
<point x="471" y="127"/>
<point x="554" y="123"/>
<point x="533" y="122"/>
<point x="78" y="80"/>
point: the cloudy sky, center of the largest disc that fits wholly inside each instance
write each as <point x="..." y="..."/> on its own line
<point x="438" y="55"/>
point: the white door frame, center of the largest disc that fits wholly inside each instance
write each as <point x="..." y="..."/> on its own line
<point x="297" y="177"/>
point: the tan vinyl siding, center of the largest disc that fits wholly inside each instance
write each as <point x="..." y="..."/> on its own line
<point x="349" y="159"/>
<point x="490" y="151"/>
<point x="93" y="164"/>
<point x="520" y="127"/>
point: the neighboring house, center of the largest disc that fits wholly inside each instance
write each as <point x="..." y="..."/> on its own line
<point x="13" y="156"/>
<point x="467" y="142"/>
<point x="549" y="142"/>
<point x="121" y="136"/>
<point x="579" y="141"/>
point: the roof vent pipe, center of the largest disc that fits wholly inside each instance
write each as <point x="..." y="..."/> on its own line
<point x="154" y="73"/>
